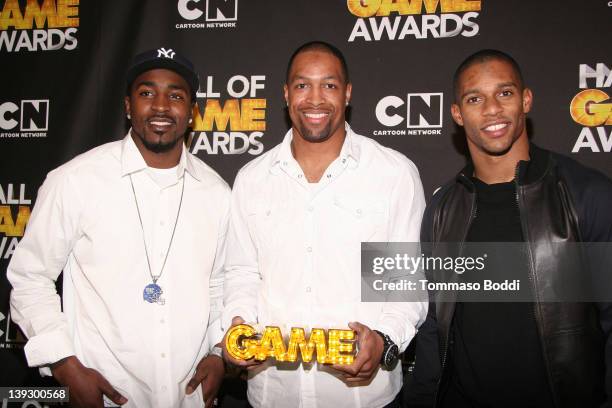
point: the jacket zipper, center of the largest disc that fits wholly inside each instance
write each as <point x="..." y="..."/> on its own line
<point x="531" y="276"/>
<point x="445" y="354"/>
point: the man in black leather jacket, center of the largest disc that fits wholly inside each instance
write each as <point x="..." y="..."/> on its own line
<point x="515" y="354"/>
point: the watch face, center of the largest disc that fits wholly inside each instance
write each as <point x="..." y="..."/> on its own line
<point x="392" y="355"/>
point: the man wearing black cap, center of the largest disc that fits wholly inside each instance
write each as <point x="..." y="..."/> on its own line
<point x="138" y="228"/>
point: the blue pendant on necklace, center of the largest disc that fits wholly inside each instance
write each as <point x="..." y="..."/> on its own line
<point x="152" y="294"/>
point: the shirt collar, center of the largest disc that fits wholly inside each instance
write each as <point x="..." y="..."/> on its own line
<point x="350" y="150"/>
<point x="133" y="162"/>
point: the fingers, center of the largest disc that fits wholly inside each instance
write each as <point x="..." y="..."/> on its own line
<point x="237" y="320"/>
<point x="353" y="374"/>
<point x="364" y="372"/>
<point x="239" y="363"/>
<point x="248" y="364"/>
<point x="362" y="367"/>
<point x="209" y="374"/>
<point x="362" y="332"/>
<point x="210" y="387"/>
<point x="194" y="382"/>
<point x="109" y="391"/>
<point x="202" y="371"/>
<point x="343" y="368"/>
<point x="353" y="380"/>
<point x="243" y="364"/>
<point x="252" y="364"/>
<point x="358" y="327"/>
<point x="361" y="376"/>
<point x="353" y="369"/>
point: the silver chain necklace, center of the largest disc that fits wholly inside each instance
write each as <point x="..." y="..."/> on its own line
<point x="152" y="292"/>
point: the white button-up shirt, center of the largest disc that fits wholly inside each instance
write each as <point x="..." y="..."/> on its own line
<point x="85" y="222"/>
<point x="293" y="260"/>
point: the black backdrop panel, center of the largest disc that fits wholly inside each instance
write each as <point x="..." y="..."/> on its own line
<point x="64" y="61"/>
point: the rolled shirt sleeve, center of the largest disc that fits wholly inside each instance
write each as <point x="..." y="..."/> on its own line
<point x="41" y="255"/>
<point x="400" y="320"/>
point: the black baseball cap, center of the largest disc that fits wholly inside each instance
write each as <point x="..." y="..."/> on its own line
<point x="165" y="58"/>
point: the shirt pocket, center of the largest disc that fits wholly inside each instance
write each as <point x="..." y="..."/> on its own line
<point x="362" y="219"/>
<point x="269" y="223"/>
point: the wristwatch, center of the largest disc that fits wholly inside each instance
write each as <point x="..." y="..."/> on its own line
<point x="390" y="353"/>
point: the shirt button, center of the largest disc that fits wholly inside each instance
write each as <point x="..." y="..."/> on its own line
<point x="163" y="355"/>
<point x="343" y="160"/>
<point x="359" y="211"/>
<point x="162" y="321"/>
<point x="308" y="289"/>
<point x="310" y="208"/>
<point x="329" y="176"/>
<point x="309" y="249"/>
<point x="284" y="163"/>
<point x="161" y="223"/>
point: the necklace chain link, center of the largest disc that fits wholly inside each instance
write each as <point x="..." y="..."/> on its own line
<point x="153" y="277"/>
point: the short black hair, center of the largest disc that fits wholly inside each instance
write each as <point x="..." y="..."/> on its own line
<point x="484" y="56"/>
<point x="319" y="46"/>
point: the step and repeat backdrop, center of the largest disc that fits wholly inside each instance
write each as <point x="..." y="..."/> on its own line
<point x="64" y="62"/>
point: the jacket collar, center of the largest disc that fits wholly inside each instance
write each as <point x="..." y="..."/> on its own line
<point x="528" y="171"/>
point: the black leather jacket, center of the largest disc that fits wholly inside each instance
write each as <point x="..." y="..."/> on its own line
<point x="559" y="201"/>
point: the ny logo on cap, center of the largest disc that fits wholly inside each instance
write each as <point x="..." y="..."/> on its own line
<point x="162" y="52"/>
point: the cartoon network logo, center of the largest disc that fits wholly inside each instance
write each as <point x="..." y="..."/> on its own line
<point x="416" y="19"/>
<point x="26" y="119"/>
<point x="420" y="112"/>
<point x="207" y="13"/>
<point x="592" y="108"/>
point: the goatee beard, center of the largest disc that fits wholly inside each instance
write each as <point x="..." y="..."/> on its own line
<point x="322" y="136"/>
<point x="159" y="146"/>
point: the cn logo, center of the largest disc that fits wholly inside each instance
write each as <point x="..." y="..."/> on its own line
<point x="31" y="116"/>
<point x="221" y="10"/>
<point x="216" y="10"/>
<point x="423" y="110"/>
<point x="162" y="52"/>
<point x="1" y="319"/>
